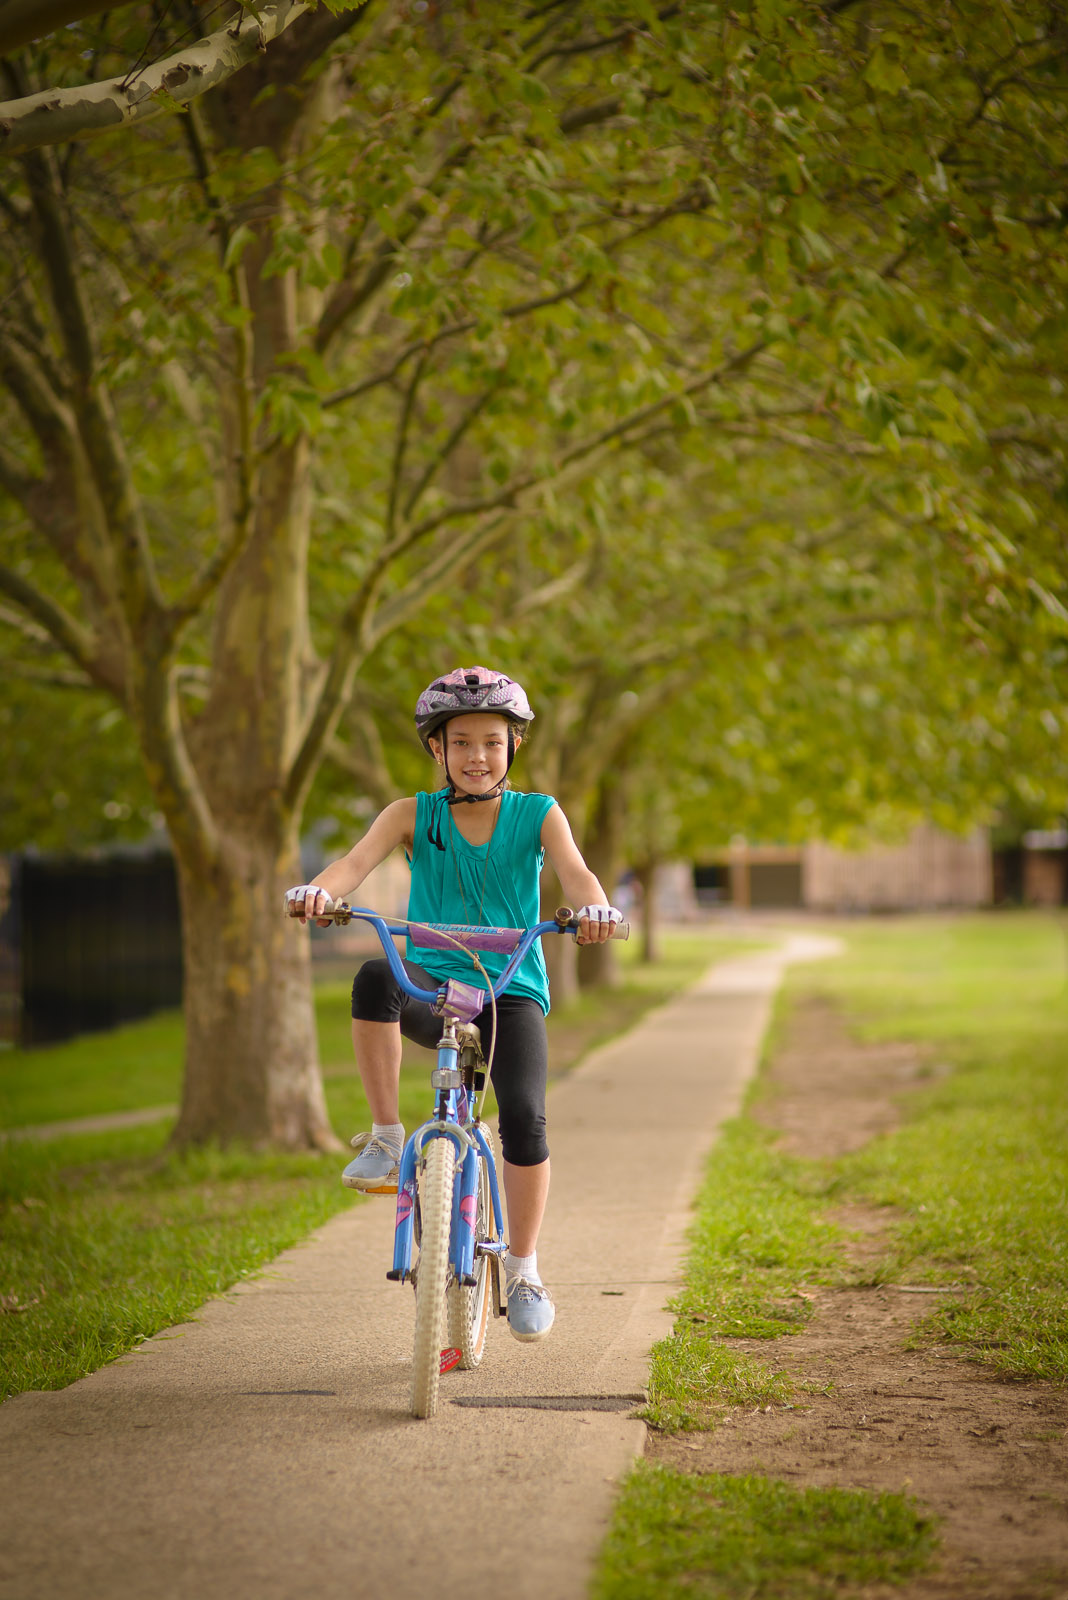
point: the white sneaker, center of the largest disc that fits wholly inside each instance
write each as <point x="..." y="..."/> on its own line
<point x="375" y="1169"/>
<point x="531" y="1312"/>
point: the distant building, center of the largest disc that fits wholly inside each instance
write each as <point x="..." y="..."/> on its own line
<point x="1044" y="868"/>
<point x="931" y="870"/>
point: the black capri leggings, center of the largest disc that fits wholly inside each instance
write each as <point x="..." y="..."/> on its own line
<point x="520" y="1061"/>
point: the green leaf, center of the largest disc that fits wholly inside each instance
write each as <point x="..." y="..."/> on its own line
<point x="236" y="245"/>
<point x="1014" y="236"/>
<point x="332" y="263"/>
<point x="885" y="73"/>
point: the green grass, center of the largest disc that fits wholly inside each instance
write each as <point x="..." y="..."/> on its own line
<point x="759" y="1235"/>
<point x="978" y="1175"/>
<point x="759" y="1232"/>
<point x="106" y="1241"/>
<point x="694" y="1380"/>
<point x="975" y="1183"/>
<point x="109" y="1237"/>
<point x="966" y="980"/>
<point x="125" y="1069"/>
<point x="722" y="1538"/>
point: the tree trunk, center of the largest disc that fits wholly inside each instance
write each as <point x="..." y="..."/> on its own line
<point x="598" y="967"/>
<point x="645" y="877"/>
<point x="598" y="964"/>
<point x="560" y="949"/>
<point x="252" y="1070"/>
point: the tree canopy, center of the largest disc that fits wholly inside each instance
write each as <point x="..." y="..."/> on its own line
<point x="703" y="364"/>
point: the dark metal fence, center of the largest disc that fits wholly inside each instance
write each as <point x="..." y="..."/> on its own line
<point x="97" y="942"/>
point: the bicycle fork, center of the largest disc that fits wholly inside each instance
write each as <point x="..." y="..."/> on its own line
<point x="451" y="1121"/>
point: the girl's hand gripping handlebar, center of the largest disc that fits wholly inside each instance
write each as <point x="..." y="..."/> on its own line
<point x="308" y="900"/>
<point x="595" y="917"/>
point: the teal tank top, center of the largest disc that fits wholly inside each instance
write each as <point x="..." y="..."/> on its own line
<point x="503" y="878"/>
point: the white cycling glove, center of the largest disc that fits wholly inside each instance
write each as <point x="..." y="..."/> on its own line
<point x="600" y="914"/>
<point x="296" y="901"/>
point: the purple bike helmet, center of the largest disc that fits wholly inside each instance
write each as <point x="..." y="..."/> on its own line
<point x="469" y="689"/>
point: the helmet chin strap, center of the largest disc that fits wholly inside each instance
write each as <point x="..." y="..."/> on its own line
<point x="473" y="799"/>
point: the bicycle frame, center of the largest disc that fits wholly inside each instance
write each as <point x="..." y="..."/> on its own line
<point x="452" y="1120"/>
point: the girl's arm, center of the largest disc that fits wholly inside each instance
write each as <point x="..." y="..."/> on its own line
<point x="581" y="887"/>
<point x="392" y="827"/>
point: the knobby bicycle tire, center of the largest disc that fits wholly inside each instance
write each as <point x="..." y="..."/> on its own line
<point x="435" y="1209"/>
<point x="469" y="1305"/>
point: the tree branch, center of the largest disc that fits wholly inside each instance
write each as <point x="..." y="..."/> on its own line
<point x="167" y="758"/>
<point x="357" y="637"/>
<point x="239" y="391"/>
<point x="57" y="253"/>
<point x="60" y="502"/>
<point x="97" y="426"/>
<point x="368" y="765"/>
<point x="580" y="452"/>
<point x="592" y="43"/>
<point x="547" y="594"/>
<point x="350" y="296"/>
<point x="401" y="443"/>
<point x="53" y="677"/>
<point x="56" y="115"/>
<point x="450" y="444"/>
<point x="130" y="654"/>
<point x="524" y="308"/>
<point x="451" y="557"/>
<point x="25" y="626"/>
<point x="18" y="483"/>
<point x="42" y="407"/>
<point x="57" y="622"/>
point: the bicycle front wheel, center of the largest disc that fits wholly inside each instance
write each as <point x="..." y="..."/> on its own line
<point x="432" y="1273"/>
<point x="469" y="1304"/>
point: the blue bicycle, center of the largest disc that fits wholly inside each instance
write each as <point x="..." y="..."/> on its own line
<point x="449" y="1236"/>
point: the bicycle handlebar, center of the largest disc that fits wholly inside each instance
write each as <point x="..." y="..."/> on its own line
<point x="463" y="1000"/>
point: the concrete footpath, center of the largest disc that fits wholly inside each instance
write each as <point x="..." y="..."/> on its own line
<point x="264" y="1451"/>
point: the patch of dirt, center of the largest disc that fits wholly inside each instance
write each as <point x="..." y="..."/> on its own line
<point x="988" y="1457"/>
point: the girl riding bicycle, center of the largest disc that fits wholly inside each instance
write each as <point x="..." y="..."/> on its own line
<point x="476" y="849"/>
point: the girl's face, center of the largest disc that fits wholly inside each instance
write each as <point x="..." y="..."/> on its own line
<point x="477" y="751"/>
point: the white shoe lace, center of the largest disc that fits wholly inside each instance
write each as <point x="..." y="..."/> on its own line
<point x="369" y="1144"/>
<point x="528" y="1293"/>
